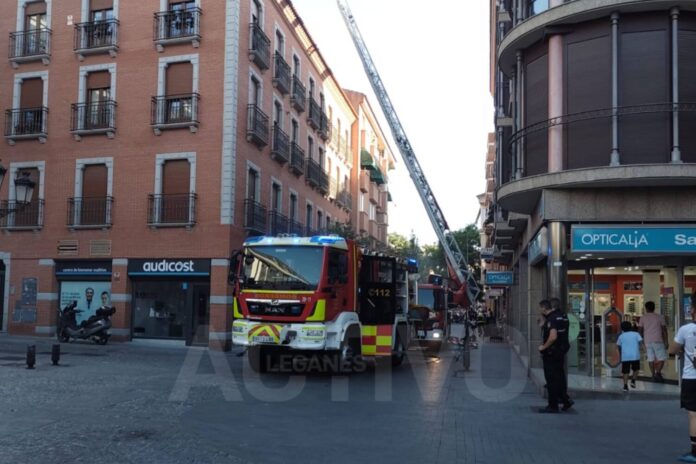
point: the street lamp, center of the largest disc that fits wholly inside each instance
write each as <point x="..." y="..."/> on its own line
<point x="24" y="190"/>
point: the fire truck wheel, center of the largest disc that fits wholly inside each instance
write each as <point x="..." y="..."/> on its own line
<point x="399" y="348"/>
<point x="349" y="351"/>
<point x="259" y="358"/>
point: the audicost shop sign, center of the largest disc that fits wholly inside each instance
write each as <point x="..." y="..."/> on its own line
<point x="181" y="267"/>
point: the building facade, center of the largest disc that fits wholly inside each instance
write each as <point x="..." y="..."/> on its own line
<point x="159" y="136"/>
<point x="595" y="166"/>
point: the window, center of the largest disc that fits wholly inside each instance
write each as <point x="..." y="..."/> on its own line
<point x="308" y="217"/>
<point x="256" y="12"/>
<point x="311" y="87"/>
<point x="322" y="102"/>
<point x="373" y="212"/>
<point x="278" y="114"/>
<point x="280" y="43"/>
<point x="295" y="131"/>
<point x="293" y="207"/>
<point x="179" y="92"/>
<point x="295" y="65"/>
<point x="101" y="32"/>
<point x="310" y="147"/>
<point x="32" y="214"/>
<point x="182" y="20"/>
<point x="328" y="222"/>
<point x="321" y="157"/>
<point x="320" y="218"/>
<point x="276" y="197"/>
<point x="97" y="114"/>
<point x="29" y="120"/>
<point x="253" y="184"/>
<point x="362" y="201"/>
<point x="176" y="177"/>
<point x="92" y="205"/>
<point x="255" y="91"/>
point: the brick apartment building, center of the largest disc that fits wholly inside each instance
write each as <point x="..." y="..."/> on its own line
<point x="159" y="135"/>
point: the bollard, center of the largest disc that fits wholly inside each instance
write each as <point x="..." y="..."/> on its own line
<point x="55" y="354"/>
<point x="31" y="356"/>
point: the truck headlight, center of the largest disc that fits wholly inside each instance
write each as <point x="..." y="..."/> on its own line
<point x="238" y="329"/>
<point x="436" y="335"/>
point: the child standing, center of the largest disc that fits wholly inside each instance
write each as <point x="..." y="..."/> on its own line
<point x="629" y="343"/>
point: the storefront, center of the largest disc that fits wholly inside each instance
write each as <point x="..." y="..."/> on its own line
<point x="613" y="270"/>
<point x="171" y="299"/>
<point x="86" y="282"/>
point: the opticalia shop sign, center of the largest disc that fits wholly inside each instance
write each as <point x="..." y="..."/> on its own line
<point x="634" y="239"/>
<point x="499" y="278"/>
<point x="169" y="267"/>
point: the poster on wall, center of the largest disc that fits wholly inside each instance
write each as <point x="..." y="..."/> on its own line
<point x="25" y="307"/>
<point x="90" y="296"/>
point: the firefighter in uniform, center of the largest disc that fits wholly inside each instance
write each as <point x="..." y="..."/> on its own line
<point x="553" y="352"/>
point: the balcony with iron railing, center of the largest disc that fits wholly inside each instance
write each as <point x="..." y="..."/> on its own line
<point x="363" y="222"/>
<point x="297" y="159"/>
<point x="174" y="112"/>
<point x="23" y="216"/>
<point x="364" y="180"/>
<point x="333" y="189"/>
<point x="31" y="45"/>
<point x="297" y="99"/>
<point x="280" y="149"/>
<point x="93" y="118"/>
<point x="96" y="37"/>
<point x="323" y="186"/>
<point x="296" y="228"/>
<point x="314" y="116"/>
<point x="172" y="210"/>
<point x="86" y="213"/>
<point x="259" y="47"/>
<point x="314" y="171"/>
<point x="282" y="77"/>
<point x="257" y="126"/>
<point x="26" y="123"/>
<point x="345" y="198"/>
<point x="277" y="223"/>
<point x="255" y="215"/>
<point x="177" y="26"/>
<point x="324" y="127"/>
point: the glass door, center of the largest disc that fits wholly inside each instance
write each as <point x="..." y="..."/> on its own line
<point x="200" y="320"/>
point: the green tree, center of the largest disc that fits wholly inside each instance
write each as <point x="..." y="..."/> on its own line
<point x="468" y="240"/>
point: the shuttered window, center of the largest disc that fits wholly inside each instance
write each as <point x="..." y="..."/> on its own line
<point x="35" y="8"/>
<point x="31" y="95"/>
<point x="94" y="181"/>
<point x="99" y="80"/>
<point x="97" y="5"/>
<point x="175" y="204"/>
<point x="179" y="78"/>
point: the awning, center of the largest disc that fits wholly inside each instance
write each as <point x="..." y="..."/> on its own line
<point x="376" y="176"/>
<point x="389" y="197"/>
<point x="367" y="161"/>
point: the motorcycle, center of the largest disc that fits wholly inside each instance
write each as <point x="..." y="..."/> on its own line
<point x="96" y="328"/>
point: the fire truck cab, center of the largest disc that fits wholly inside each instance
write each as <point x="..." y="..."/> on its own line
<point x="318" y="294"/>
<point x="428" y="313"/>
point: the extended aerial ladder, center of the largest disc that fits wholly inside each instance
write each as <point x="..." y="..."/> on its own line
<point x="455" y="258"/>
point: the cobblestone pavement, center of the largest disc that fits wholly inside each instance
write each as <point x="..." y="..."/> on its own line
<point x="130" y="404"/>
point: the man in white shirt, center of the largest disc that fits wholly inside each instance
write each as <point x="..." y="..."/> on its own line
<point x="685" y="342"/>
<point x="654" y="331"/>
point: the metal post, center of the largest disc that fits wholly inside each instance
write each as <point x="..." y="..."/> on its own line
<point x="556" y="262"/>
<point x="588" y="319"/>
<point x="556" y="98"/>
<point x="519" y="110"/>
<point x="515" y="123"/>
<point x="676" y="152"/>
<point x="591" y="317"/>
<point x="615" y="158"/>
<point x="679" y="314"/>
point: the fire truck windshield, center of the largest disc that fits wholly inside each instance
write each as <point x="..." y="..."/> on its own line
<point x="283" y="268"/>
<point x="432" y="298"/>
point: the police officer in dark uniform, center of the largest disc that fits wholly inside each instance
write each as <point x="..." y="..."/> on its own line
<point x="553" y="352"/>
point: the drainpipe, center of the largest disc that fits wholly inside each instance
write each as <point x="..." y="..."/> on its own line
<point x="615" y="158"/>
<point x="676" y="153"/>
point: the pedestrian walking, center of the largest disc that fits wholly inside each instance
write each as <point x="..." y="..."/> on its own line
<point x="685" y="343"/>
<point x="553" y="352"/>
<point x="629" y="343"/>
<point x="654" y="331"/>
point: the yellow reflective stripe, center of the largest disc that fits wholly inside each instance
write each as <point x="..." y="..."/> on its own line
<point x="369" y="330"/>
<point x="369" y="349"/>
<point x="319" y="311"/>
<point x="288" y="292"/>
<point x="235" y="310"/>
<point x="384" y="340"/>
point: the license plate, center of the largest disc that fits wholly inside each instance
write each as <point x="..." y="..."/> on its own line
<point x="263" y="339"/>
<point x="421" y="333"/>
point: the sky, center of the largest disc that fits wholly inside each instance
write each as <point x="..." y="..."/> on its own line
<point x="433" y="59"/>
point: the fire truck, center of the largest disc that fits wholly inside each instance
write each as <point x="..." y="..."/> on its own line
<point x="428" y="313"/>
<point x="318" y="295"/>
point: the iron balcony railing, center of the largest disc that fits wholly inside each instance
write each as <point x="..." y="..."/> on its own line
<point x="277" y="223"/>
<point x="259" y="46"/>
<point x="314" y="116"/>
<point x="24" y="216"/>
<point x="313" y="173"/>
<point x="257" y="126"/>
<point x="296" y="228"/>
<point x="280" y="150"/>
<point x="297" y="99"/>
<point x="26" y="122"/>
<point x="32" y="43"/>
<point x="172" y="209"/>
<point x="297" y="159"/>
<point x="323" y="181"/>
<point x="281" y="74"/>
<point x="254" y="216"/>
<point x="95" y="116"/>
<point x="179" y="109"/>
<point x="96" y="34"/>
<point x="177" y="24"/>
<point x="324" y="127"/>
<point x="85" y="211"/>
<point x="345" y="199"/>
